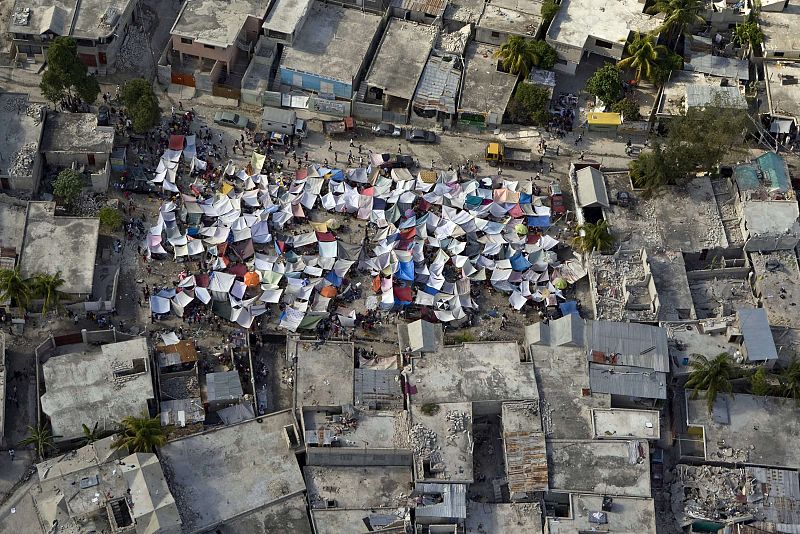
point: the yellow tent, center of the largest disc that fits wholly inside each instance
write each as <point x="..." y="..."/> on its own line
<point x="604" y="121"/>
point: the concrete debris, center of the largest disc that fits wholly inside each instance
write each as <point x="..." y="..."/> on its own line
<point x="134" y="53"/>
<point x="717" y="493"/>
<point x="459" y="421"/>
<point x="423" y="440"/>
<point x="455" y="42"/>
<point x="21" y="105"/>
<point x="22" y="161"/>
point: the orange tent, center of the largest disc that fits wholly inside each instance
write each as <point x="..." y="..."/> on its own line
<point x="328" y="292"/>
<point x="252" y="279"/>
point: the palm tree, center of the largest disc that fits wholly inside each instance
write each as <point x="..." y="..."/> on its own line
<point x="593" y="236"/>
<point x="679" y="16"/>
<point x="712" y="376"/>
<point x="41" y="438"/>
<point x="644" y="56"/>
<point x="15" y="288"/>
<point x="46" y="286"/>
<point x="518" y="55"/>
<point x="790" y="380"/>
<point x="90" y="435"/>
<point x="140" y="434"/>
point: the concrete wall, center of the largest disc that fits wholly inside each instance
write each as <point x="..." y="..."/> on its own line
<point x="227" y="54"/>
<point x="100" y="178"/>
<point x="615" y="52"/>
<point x="414" y="16"/>
<point x="344" y="456"/>
<point x="368" y="112"/>
<point x="769" y="243"/>
<point x="374" y="6"/>
<point x="316" y="82"/>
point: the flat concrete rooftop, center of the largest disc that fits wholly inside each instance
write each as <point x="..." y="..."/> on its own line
<point x="358" y="487"/>
<point x="76" y="133"/>
<point x="66" y="244"/>
<point x="562" y="374"/>
<point x="442" y="443"/>
<point x="485" y="88"/>
<point x="780" y="28"/>
<point x="503" y="518"/>
<point x="784" y="99"/>
<point x="223" y="474"/>
<point x="82" y="20"/>
<point x="777" y="276"/>
<point x="626" y="515"/>
<point x="20" y="131"/>
<point x="288" y="515"/>
<point x="611" y="20"/>
<point x="749" y="430"/>
<point x="401" y="57"/>
<point x="324" y="372"/>
<point x="217" y="22"/>
<point x="332" y="42"/>
<point x="353" y="521"/>
<point x="285" y="15"/>
<point x="472" y="372"/>
<point x="12" y="223"/>
<point x="517" y="17"/>
<point x="616" y="423"/>
<point x="371" y="429"/>
<point x="600" y="467"/>
<point x="100" y="386"/>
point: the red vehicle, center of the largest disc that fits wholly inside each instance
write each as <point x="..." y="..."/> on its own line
<point x="557" y="206"/>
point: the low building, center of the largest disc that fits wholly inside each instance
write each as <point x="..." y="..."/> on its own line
<point x="442" y="442"/>
<point x="599" y="467"/>
<point x="330" y="54"/>
<point x="74" y="140"/>
<point x="524" y="449"/>
<point x="211" y="41"/>
<point x="687" y="89"/>
<point x="362" y="521"/>
<point x="223" y="476"/>
<point x="769" y="496"/>
<point x="597" y="513"/>
<point x="742" y="430"/>
<point x="100" y="386"/>
<point x="53" y="243"/>
<point x="758" y="345"/>
<point x="777" y="286"/>
<point x="398" y="64"/>
<point x="440" y="504"/>
<point x="438" y="88"/>
<point x="781" y="42"/>
<point x="595" y="27"/>
<point x="21" y="130"/>
<point x="278" y="120"/>
<point x="422" y="11"/>
<point x="98" y="27"/>
<point x="503" y="18"/>
<point x="324" y="374"/>
<point x="357" y="487"/>
<point x="617" y="423"/>
<point x="783" y="94"/>
<point x="284" y="20"/>
<point x="222" y="389"/>
<point x="96" y="487"/>
<point x="767" y="204"/>
<point x="483" y="517"/>
<point x="486" y="90"/>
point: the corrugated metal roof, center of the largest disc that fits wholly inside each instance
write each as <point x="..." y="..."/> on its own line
<point x="525" y="450"/>
<point x="591" y="188"/>
<point x="438" y="86"/>
<point x="453" y="505"/>
<point x="634" y="344"/>
<point x="378" y="389"/>
<point x="430" y="7"/>
<point x="699" y="95"/>
<point x="723" y="67"/>
<point x="758" y="341"/>
<point x="627" y="381"/>
<point x="223" y="386"/>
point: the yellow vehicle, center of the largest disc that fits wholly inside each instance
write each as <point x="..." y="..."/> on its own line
<point x="499" y="154"/>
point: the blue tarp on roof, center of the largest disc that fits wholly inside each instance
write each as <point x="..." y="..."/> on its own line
<point x="774" y="168"/>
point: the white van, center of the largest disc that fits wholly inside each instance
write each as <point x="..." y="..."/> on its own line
<point x="300" y="128"/>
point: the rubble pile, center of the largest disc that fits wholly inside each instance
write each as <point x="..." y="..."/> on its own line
<point x="22" y="161"/>
<point x="455" y="42"/>
<point x="20" y="104"/>
<point x="718" y="493"/>
<point x="423" y="440"/>
<point x="459" y="421"/>
<point x="134" y="53"/>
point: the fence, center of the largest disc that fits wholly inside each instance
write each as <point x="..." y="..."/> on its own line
<point x="368" y="112"/>
<point x="225" y="91"/>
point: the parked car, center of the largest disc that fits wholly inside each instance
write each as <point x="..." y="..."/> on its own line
<point x="557" y="206"/>
<point x="300" y="128"/>
<point x="387" y="129"/>
<point x="227" y="118"/>
<point x="420" y="136"/>
<point x="103" y="116"/>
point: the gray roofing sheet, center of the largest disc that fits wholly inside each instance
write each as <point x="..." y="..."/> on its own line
<point x="723" y="67"/>
<point x="628" y="381"/>
<point x="700" y="95"/>
<point x="223" y="386"/>
<point x="635" y="344"/>
<point x="758" y="340"/>
<point x="453" y="505"/>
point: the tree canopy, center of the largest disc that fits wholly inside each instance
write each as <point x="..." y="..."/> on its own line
<point x="593" y="237"/>
<point x="529" y="105"/>
<point x="679" y="16"/>
<point x="644" y="56"/>
<point x="606" y="84"/>
<point x="66" y="74"/>
<point x="519" y="55"/>
<point x="110" y="218"/>
<point x="140" y="434"/>
<point x="142" y="104"/>
<point x="711" y="375"/>
<point x="68" y="185"/>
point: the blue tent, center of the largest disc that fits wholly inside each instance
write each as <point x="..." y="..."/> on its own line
<point x="406" y="271"/>
<point x="337" y="174"/>
<point x="539" y="221"/>
<point x="525" y="198"/>
<point x="568" y="307"/>
<point x="519" y="262"/>
<point x="334" y="279"/>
